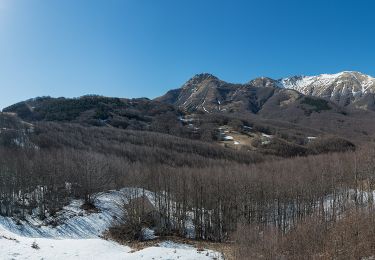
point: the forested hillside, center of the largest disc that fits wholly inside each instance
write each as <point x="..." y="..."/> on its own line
<point x="270" y="188"/>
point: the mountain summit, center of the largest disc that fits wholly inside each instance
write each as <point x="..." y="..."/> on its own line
<point x="207" y="93"/>
<point x="342" y="88"/>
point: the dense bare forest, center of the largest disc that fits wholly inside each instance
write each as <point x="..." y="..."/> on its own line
<point x="289" y="198"/>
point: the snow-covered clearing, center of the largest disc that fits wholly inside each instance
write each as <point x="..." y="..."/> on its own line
<point x="74" y="222"/>
<point x="16" y="247"/>
<point x="76" y="236"/>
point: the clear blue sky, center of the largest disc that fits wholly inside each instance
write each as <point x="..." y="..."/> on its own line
<point x="136" y="48"/>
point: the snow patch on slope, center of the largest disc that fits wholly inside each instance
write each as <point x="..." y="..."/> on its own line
<point x="327" y="85"/>
<point x="18" y="247"/>
<point x="72" y="221"/>
<point x="77" y="235"/>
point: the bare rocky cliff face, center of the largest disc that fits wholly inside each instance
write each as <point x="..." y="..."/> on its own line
<point x="206" y="93"/>
<point x="344" y="88"/>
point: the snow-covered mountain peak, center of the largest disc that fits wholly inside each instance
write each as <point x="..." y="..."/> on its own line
<point x="324" y="79"/>
<point x="206" y="92"/>
<point x="342" y="88"/>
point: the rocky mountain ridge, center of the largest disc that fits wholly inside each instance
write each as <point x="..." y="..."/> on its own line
<point x="207" y="93"/>
<point x="343" y="88"/>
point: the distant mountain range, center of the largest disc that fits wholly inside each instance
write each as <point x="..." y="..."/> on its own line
<point x="344" y="88"/>
<point x="341" y="104"/>
<point x="207" y="93"/>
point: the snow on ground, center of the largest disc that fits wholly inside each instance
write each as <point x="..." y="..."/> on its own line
<point x="21" y="248"/>
<point x="266" y="135"/>
<point x="311" y="138"/>
<point x="171" y="250"/>
<point x="73" y="222"/>
<point x="16" y="247"/>
<point x="77" y="234"/>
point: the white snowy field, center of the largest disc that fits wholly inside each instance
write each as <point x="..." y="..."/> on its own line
<point x="17" y="247"/>
<point x="77" y="235"/>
